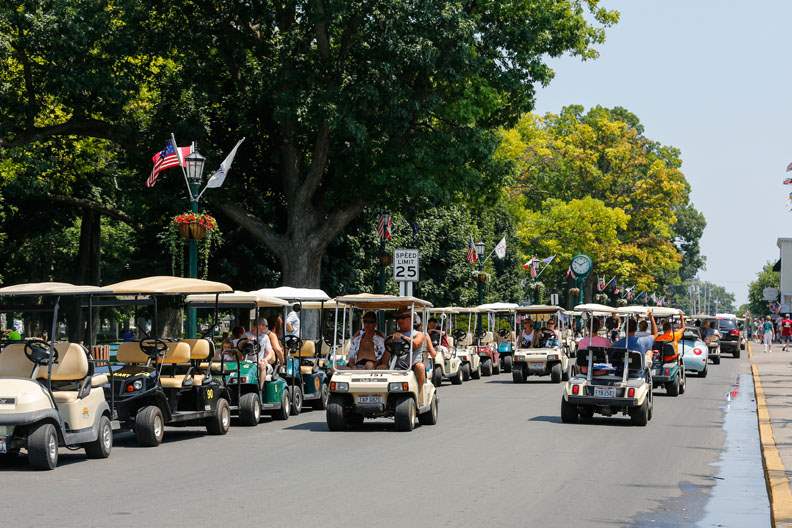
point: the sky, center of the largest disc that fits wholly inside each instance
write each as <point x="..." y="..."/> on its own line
<point x="712" y="78"/>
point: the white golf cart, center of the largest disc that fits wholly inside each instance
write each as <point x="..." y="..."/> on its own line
<point x="447" y="366"/>
<point x="713" y="341"/>
<point x="357" y="394"/>
<point x="49" y="395"/>
<point x="501" y="317"/>
<point x="463" y="343"/>
<point x="546" y="354"/>
<point x="611" y="381"/>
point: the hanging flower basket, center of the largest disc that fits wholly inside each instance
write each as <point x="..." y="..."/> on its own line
<point x="481" y="276"/>
<point x="574" y="292"/>
<point x="386" y="260"/>
<point x="200" y="227"/>
<point x="622" y="302"/>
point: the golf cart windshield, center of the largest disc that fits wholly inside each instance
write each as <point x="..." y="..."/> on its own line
<point x="611" y="362"/>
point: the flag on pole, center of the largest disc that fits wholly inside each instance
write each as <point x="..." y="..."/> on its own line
<point x="611" y="283"/>
<point x="218" y="178"/>
<point x="788" y="181"/>
<point x="532" y="266"/>
<point x="629" y="292"/>
<point x="500" y="249"/>
<point x="789" y="167"/>
<point x="472" y="256"/>
<point x="169" y="157"/>
<point x="601" y="284"/>
<point x="548" y="260"/>
<point x="385" y="226"/>
<point x="569" y="274"/>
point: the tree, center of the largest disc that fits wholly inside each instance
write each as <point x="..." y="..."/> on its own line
<point x="345" y="103"/>
<point x="767" y="278"/>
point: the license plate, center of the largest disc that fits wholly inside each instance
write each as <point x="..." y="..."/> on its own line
<point x="370" y="399"/>
<point x="3" y="448"/>
<point x="604" y="392"/>
<point x="536" y="366"/>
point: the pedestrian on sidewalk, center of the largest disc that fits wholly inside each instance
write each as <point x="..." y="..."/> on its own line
<point x="768" y="333"/>
<point x="786" y="331"/>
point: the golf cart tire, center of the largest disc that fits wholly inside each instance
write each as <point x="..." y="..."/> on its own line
<point x="555" y="373"/>
<point x="336" y="416"/>
<point x="430" y="416"/>
<point x="566" y="374"/>
<point x="457" y="378"/>
<point x="486" y="368"/>
<point x="283" y="412"/>
<point x="296" y="401"/>
<point x="476" y="374"/>
<point x="703" y="373"/>
<point x="569" y="413"/>
<point x="737" y="353"/>
<point x="640" y="415"/>
<point x="517" y="376"/>
<point x="496" y="368"/>
<point x="507" y="364"/>
<point x="682" y="381"/>
<point x="465" y="369"/>
<point x="651" y="408"/>
<point x="101" y="447"/>
<point x="404" y="414"/>
<point x="39" y="442"/>
<point x="146" y="424"/>
<point x="221" y="421"/>
<point x="716" y="360"/>
<point x="249" y="409"/>
<point x="672" y="387"/>
<point x="437" y="376"/>
<point x="320" y="404"/>
<point x="586" y="414"/>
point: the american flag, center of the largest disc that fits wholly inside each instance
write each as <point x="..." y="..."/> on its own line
<point x="165" y="159"/>
<point x="569" y="274"/>
<point x="472" y="256"/>
<point x="384" y="226"/>
<point x="533" y="266"/>
<point x="788" y="181"/>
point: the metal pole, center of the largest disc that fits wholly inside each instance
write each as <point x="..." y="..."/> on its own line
<point x="192" y="248"/>
<point x="382" y="266"/>
<point x="480" y="295"/>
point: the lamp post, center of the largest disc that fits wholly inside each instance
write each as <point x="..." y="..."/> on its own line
<point x="193" y="167"/>
<point x="480" y="253"/>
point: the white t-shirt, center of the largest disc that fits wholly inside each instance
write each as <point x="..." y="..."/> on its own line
<point x="265" y="345"/>
<point x="293" y="324"/>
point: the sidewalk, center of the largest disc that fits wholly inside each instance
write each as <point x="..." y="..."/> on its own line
<point x="773" y="380"/>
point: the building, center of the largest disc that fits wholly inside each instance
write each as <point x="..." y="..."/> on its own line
<point x="784" y="265"/>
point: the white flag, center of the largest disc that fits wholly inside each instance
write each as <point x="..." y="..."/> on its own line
<point x="218" y="178"/>
<point x="500" y="249"/>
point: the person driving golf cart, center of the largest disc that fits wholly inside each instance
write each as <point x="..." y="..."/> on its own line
<point x="404" y="331"/>
<point x="633" y="341"/>
<point x="548" y="336"/>
<point x="669" y="335"/>
<point x="368" y="346"/>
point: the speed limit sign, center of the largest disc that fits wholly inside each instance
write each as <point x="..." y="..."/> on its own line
<point x="405" y="265"/>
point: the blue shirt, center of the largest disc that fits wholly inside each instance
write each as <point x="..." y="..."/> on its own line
<point x="639" y="344"/>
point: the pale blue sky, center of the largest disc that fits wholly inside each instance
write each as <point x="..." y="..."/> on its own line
<point x="711" y="77"/>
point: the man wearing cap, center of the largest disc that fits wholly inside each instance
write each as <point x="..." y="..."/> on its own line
<point x="786" y="331"/>
<point x="405" y="331"/>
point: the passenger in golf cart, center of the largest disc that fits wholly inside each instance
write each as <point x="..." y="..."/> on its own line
<point x="527" y="335"/>
<point x="367" y="350"/>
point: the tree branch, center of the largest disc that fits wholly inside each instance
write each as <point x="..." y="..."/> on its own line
<point x="305" y="192"/>
<point x="87" y="127"/>
<point x="99" y="208"/>
<point x="321" y="30"/>
<point x="255" y="227"/>
<point x="335" y="222"/>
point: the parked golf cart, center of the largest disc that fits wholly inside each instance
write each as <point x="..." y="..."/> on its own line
<point x="358" y="394"/>
<point x="484" y="338"/>
<point x="50" y="396"/>
<point x="160" y="380"/>
<point x="713" y="340"/>
<point x="464" y="348"/>
<point x="668" y="365"/>
<point x="306" y="370"/>
<point x="447" y="366"/>
<point x="247" y="397"/>
<point x="547" y="354"/>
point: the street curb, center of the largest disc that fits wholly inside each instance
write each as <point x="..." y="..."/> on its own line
<point x="778" y="489"/>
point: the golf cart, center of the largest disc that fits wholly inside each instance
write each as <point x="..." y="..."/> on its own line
<point x="547" y="354"/>
<point x="713" y="340"/>
<point x="503" y="318"/>
<point x="357" y="394"/>
<point x="160" y="380"/>
<point x="247" y="397"/>
<point x="307" y="370"/>
<point x="50" y="396"/>
<point x="470" y="363"/>
<point x="668" y="365"/>
<point x="485" y="344"/>
<point x="610" y="381"/>
<point x="447" y="366"/>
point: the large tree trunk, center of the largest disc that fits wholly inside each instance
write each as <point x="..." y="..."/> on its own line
<point x="88" y="272"/>
<point x="301" y="267"/>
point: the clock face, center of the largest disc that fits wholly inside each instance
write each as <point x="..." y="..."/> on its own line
<point x="581" y="265"/>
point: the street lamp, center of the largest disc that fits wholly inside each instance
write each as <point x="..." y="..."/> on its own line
<point x="193" y="169"/>
<point x="480" y="253"/>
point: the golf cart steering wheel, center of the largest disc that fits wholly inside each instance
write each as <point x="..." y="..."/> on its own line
<point x="503" y="332"/>
<point x="153" y="346"/>
<point x="247" y="347"/>
<point x="397" y="347"/>
<point x="209" y="331"/>
<point x="458" y="334"/>
<point x="39" y="352"/>
<point x="293" y="343"/>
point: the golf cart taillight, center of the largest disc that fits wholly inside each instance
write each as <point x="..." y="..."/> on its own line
<point x="734" y="332"/>
<point x="341" y="386"/>
<point x="667" y="372"/>
<point x="575" y="389"/>
<point x="243" y="379"/>
<point x="130" y="388"/>
<point x="697" y="351"/>
<point x="631" y="392"/>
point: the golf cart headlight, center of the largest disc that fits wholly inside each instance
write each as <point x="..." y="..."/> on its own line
<point x="137" y="384"/>
<point x="339" y="386"/>
<point x="6" y="430"/>
<point x="398" y="386"/>
<point x="552" y="357"/>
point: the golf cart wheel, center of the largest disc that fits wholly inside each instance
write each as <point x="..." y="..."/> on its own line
<point x="486" y="368"/>
<point x="101" y="447"/>
<point x="476" y="374"/>
<point x="296" y="400"/>
<point x="457" y="378"/>
<point x="465" y="370"/>
<point x="283" y="412"/>
<point x="703" y="373"/>
<point x="430" y="416"/>
<point x="640" y="415"/>
<point x="221" y="421"/>
<point x="672" y="387"/>
<point x="566" y="374"/>
<point x="569" y="413"/>
<point x="405" y="415"/>
<point x="149" y="426"/>
<point x="42" y="446"/>
<point x="716" y="360"/>
<point x="321" y="403"/>
<point x="682" y="381"/>
<point x="586" y="414"/>
<point x="336" y="417"/>
<point x="651" y="408"/>
<point x="555" y="373"/>
<point x="517" y="375"/>
<point x="249" y="409"/>
<point x="437" y="376"/>
<point x="737" y="353"/>
<point x="507" y="364"/>
<point x="495" y="368"/>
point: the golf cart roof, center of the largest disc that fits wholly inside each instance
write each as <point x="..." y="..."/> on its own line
<point x="634" y="309"/>
<point x="572" y="313"/>
<point x="539" y="308"/>
<point x="665" y="311"/>
<point x="725" y="316"/>
<point x="497" y="307"/>
<point x="166" y="285"/>
<point x="237" y="298"/>
<point x="49" y="288"/>
<point x="376" y="301"/>
<point x="702" y="316"/>
<point x="595" y="309"/>
<point x="445" y="310"/>
<point x="315" y="305"/>
<point x="295" y="294"/>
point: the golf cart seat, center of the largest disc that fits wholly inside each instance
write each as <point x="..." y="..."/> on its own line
<point x="14" y="363"/>
<point x="307" y="350"/>
<point x="177" y="381"/>
<point x="178" y="354"/>
<point x="71" y="368"/>
<point x="200" y="349"/>
<point x="487" y="338"/>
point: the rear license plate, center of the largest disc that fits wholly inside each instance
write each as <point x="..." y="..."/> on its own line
<point x="536" y="366"/>
<point x="604" y="392"/>
<point x="370" y="399"/>
<point x="3" y="448"/>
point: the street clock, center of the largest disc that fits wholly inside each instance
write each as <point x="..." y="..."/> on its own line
<point x="581" y="265"/>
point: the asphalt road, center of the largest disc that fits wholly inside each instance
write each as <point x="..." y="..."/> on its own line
<point x="499" y="456"/>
